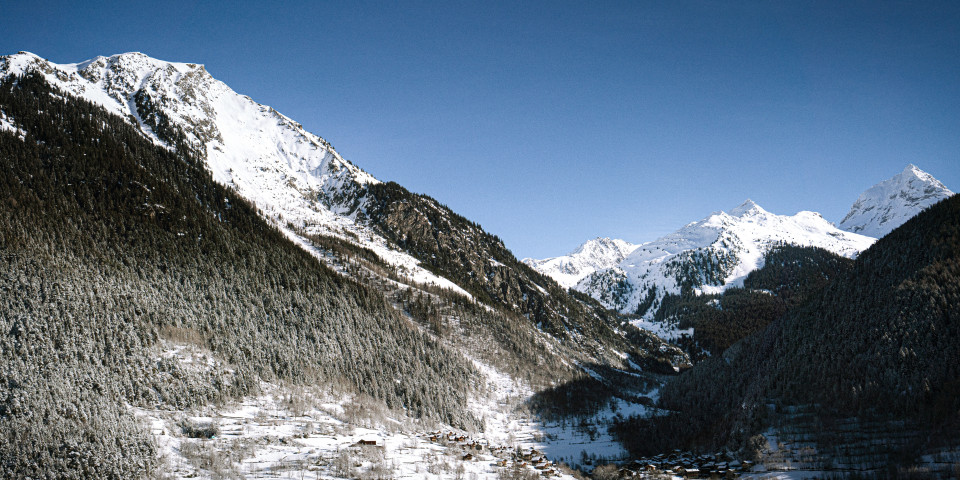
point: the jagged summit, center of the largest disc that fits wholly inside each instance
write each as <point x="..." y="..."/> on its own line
<point x="712" y="254"/>
<point x="295" y="177"/>
<point x="269" y="158"/>
<point x="912" y="169"/>
<point x="246" y="143"/>
<point x="890" y="203"/>
<point x="748" y="207"/>
<point x="600" y="244"/>
<point x="596" y="254"/>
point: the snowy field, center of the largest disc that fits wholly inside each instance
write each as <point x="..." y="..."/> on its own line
<point x="272" y="436"/>
<point x="304" y="433"/>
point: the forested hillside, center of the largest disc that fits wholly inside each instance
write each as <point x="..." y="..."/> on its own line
<point x="879" y="343"/>
<point x="462" y="251"/>
<point x="791" y="274"/>
<point x="113" y="246"/>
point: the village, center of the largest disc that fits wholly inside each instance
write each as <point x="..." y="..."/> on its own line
<point x="687" y="465"/>
<point x="676" y="464"/>
<point x="502" y="456"/>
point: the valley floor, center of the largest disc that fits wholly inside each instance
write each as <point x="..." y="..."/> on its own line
<point x="303" y="433"/>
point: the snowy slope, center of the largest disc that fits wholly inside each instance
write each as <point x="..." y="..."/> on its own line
<point x="712" y="254"/>
<point x="597" y="254"/>
<point x="300" y="183"/>
<point x="888" y="204"/>
<point x="295" y="177"/>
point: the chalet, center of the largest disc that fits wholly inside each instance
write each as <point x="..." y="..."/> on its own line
<point x="367" y="443"/>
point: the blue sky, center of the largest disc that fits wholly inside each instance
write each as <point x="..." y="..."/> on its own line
<point x="550" y="123"/>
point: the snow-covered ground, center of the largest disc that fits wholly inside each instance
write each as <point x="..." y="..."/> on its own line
<point x="269" y="436"/>
<point x="303" y="432"/>
<point x="576" y="442"/>
<point x="6" y="124"/>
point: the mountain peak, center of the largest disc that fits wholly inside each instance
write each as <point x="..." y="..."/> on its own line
<point x="596" y="243"/>
<point x="711" y="255"/>
<point x="888" y="204"/>
<point x="266" y="156"/>
<point x="748" y="207"/>
<point x="595" y="254"/>
<point x="912" y="171"/>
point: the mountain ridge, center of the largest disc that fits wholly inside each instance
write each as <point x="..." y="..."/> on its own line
<point x="296" y="178"/>
<point x="888" y="204"/>
<point x="306" y="189"/>
<point x="595" y="254"/>
<point x="712" y="254"/>
<point x="864" y="369"/>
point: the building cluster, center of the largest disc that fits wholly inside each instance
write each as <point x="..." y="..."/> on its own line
<point x="476" y="450"/>
<point x="687" y="465"/>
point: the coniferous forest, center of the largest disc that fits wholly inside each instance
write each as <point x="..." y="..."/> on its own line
<point x="874" y="342"/>
<point x="111" y="244"/>
<point x="114" y="247"/>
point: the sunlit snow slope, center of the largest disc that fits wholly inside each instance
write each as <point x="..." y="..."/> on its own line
<point x="597" y="254"/>
<point x="712" y="254"/>
<point x="295" y="177"/>
<point x="888" y="204"/>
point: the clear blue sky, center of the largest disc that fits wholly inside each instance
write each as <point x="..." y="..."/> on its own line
<point x="550" y="123"/>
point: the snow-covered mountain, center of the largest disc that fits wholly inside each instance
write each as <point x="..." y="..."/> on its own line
<point x="214" y="305"/>
<point x="295" y="177"/>
<point x="597" y="254"/>
<point x="308" y="190"/>
<point x="888" y="204"/>
<point x="711" y="255"/>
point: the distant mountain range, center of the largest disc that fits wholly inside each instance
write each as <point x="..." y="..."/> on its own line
<point x="597" y="254"/>
<point x="718" y="251"/>
<point x="862" y="371"/>
<point x="712" y="254"/>
<point x="171" y="247"/>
